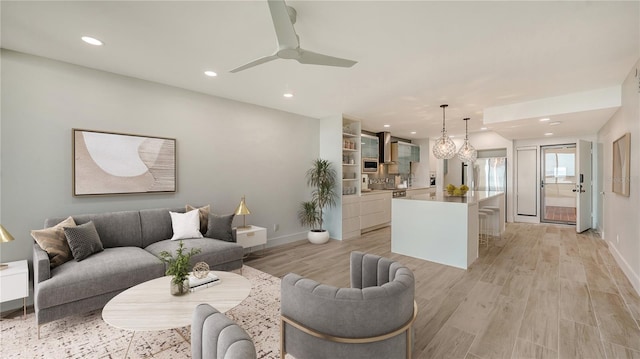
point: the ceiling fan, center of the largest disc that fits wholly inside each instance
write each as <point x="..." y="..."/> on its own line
<point x="283" y="18"/>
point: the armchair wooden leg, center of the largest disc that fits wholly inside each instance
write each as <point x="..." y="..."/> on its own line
<point x="409" y="344"/>
<point x="282" y="352"/>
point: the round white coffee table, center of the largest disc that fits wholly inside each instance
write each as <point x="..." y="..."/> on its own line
<point x="150" y="305"/>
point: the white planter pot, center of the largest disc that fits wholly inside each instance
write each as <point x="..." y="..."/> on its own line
<point x="318" y="237"/>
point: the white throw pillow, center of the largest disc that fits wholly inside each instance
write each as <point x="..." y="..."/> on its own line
<point x="185" y="225"/>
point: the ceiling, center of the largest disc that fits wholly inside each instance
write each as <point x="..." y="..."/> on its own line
<point x="412" y="56"/>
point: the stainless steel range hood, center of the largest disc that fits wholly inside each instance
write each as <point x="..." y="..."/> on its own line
<point x="384" y="146"/>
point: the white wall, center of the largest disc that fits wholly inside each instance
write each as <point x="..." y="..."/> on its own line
<point x="225" y="148"/>
<point x="620" y="225"/>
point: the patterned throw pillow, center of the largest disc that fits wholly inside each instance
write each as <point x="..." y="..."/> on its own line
<point x="53" y="241"/>
<point x="83" y="240"/>
<point x="203" y="212"/>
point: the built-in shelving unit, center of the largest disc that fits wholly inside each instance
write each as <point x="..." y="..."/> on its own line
<point x="350" y="157"/>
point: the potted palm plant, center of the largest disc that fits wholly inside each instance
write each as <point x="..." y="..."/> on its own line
<point x="178" y="267"/>
<point x="322" y="177"/>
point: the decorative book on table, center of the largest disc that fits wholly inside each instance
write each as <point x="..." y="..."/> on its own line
<point x="201" y="283"/>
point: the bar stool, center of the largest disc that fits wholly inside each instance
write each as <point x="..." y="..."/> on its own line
<point x="482" y="235"/>
<point x="495" y="220"/>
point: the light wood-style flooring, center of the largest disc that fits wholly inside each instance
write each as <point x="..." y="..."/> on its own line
<point x="542" y="291"/>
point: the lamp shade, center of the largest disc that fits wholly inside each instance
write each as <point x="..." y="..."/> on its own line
<point x="5" y="236"/>
<point x="242" y="208"/>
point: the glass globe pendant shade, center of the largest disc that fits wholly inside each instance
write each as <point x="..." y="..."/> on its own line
<point x="444" y="148"/>
<point x="467" y="153"/>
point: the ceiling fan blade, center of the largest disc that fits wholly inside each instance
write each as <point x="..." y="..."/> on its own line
<point x="282" y="23"/>
<point x="253" y="63"/>
<point x="309" y="57"/>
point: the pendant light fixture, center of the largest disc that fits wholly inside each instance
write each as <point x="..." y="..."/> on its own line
<point x="467" y="153"/>
<point x="444" y="148"/>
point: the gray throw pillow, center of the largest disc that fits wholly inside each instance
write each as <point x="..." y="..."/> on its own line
<point x="220" y="227"/>
<point x="83" y="240"/>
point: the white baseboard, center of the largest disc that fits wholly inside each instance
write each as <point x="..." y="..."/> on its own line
<point x="290" y="238"/>
<point x="633" y="277"/>
<point x="527" y="219"/>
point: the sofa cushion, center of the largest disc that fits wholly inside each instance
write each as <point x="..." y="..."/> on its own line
<point x="116" y="229"/>
<point x="53" y="241"/>
<point x="185" y="225"/>
<point x="213" y="251"/>
<point x="110" y="270"/>
<point x="156" y="224"/>
<point x="83" y="240"/>
<point x="203" y="212"/>
<point x="220" y="227"/>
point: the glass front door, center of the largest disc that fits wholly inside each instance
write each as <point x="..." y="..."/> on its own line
<point x="558" y="196"/>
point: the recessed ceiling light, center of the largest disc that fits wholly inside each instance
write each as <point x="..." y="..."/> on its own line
<point x="210" y="73"/>
<point x="91" y="40"/>
<point x="483" y="128"/>
<point x="386" y="126"/>
<point x="413" y="132"/>
<point x="288" y="94"/>
<point x="554" y="123"/>
<point x="544" y="119"/>
<point x="549" y="134"/>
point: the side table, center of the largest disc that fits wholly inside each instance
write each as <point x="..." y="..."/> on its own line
<point x="14" y="283"/>
<point x="251" y="237"/>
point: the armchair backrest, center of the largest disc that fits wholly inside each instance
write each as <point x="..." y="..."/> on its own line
<point x="369" y="270"/>
<point x="215" y="336"/>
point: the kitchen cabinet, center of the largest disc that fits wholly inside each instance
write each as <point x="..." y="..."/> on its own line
<point x="350" y="217"/>
<point x="375" y="210"/>
<point x="415" y="153"/>
<point x="369" y="146"/>
<point x="403" y="153"/>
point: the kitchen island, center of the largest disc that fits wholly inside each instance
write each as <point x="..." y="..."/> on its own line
<point x="441" y="228"/>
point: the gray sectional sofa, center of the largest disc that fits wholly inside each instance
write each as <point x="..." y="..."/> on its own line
<point x="132" y="241"/>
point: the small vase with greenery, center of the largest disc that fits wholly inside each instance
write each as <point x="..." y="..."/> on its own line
<point x="178" y="267"/>
<point x="322" y="177"/>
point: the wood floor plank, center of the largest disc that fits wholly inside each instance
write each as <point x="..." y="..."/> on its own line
<point x="615" y="321"/>
<point x="449" y="343"/>
<point x="615" y="351"/>
<point x="575" y="303"/>
<point x="527" y="350"/>
<point x="498" y="338"/>
<point x="476" y="309"/>
<point x="540" y="325"/>
<point x="579" y="341"/>
<point x="571" y="268"/>
<point x="598" y="277"/>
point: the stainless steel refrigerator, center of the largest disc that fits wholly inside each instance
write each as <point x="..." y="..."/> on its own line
<point x="490" y="174"/>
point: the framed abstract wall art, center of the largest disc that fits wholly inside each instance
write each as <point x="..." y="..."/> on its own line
<point x="106" y="163"/>
<point x="621" y="162"/>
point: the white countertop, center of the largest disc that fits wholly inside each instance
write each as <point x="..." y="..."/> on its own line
<point x="470" y="197"/>
<point x="378" y="191"/>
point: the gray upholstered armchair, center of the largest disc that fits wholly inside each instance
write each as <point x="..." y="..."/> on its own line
<point x="372" y="319"/>
<point x="215" y="336"/>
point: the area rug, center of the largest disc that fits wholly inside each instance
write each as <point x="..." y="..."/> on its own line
<point x="88" y="336"/>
